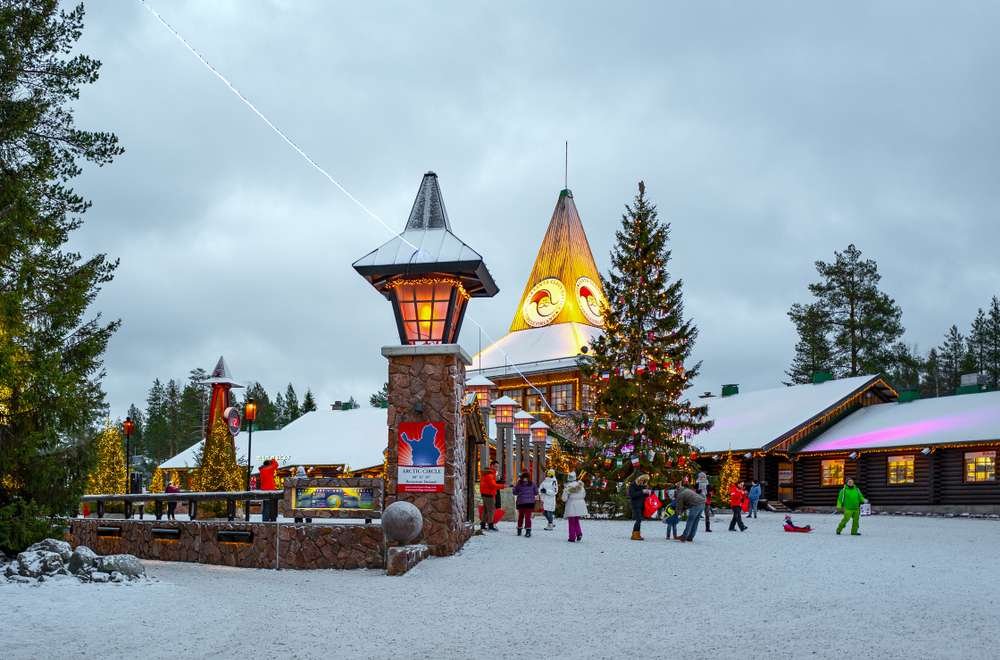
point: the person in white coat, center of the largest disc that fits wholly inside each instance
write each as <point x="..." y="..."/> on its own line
<point x="574" y="495"/>
<point x="548" y="489"/>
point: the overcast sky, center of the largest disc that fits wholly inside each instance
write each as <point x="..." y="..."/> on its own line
<point x="768" y="134"/>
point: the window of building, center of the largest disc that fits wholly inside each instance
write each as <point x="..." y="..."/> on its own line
<point x="516" y="394"/>
<point x="901" y="470"/>
<point x="587" y="396"/>
<point x="833" y="473"/>
<point x="562" y="397"/>
<point x="980" y="466"/>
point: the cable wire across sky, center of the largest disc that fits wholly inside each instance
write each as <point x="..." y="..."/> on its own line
<point x="329" y="177"/>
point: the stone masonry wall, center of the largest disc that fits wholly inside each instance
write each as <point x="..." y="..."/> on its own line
<point x="299" y="546"/>
<point x="437" y="383"/>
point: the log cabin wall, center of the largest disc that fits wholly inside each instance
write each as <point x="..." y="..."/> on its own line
<point x="873" y="479"/>
<point x="809" y="490"/>
<point x="953" y="489"/>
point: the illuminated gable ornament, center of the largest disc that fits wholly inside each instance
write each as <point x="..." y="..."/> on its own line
<point x="591" y="300"/>
<point x="544" y="302"/>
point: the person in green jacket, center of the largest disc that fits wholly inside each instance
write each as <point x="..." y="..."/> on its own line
<point x="849" y="501"/>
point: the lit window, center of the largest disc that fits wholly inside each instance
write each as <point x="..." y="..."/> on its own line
<point x="833" y="473"/>
<point x="587" y="396"/>
<point x="562" y="397"/>
<point x="901" y="470"/>
<point x="980" y="466"/>
<point x="517" y="395"/>
<point x="424" y="310"/>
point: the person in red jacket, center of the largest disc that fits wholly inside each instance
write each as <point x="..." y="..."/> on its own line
<point x="736" y="497"/>
<point x="267" y="472"/>
<point x="488" y="488"/>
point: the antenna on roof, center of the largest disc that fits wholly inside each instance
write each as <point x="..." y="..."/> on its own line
<point x="566" y="167"/>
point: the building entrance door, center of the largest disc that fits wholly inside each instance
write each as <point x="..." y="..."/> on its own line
<point x="786" y="481"/>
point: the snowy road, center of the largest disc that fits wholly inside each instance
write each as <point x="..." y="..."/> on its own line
<point x="908" y="587"/>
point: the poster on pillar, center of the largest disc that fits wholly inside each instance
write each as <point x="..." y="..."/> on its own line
<point x="420" y="452"/>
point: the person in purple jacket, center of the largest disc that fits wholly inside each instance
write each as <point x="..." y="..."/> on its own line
<point x="525" y="492"/>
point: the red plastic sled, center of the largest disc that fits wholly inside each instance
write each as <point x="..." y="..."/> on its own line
<point x="793" y="528"/>
<point x="497" y="514"/>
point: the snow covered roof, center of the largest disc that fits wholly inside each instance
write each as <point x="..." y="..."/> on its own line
<point x="755" y="419"/>
<point x="221" y="375"/>
<point x="944" y="420"/>
<point x="551" y="347"/>
<point x="353" y="437"/>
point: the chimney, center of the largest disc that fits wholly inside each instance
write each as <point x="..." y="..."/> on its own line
<point x="732" y="389"/>
<point x="707" y="395"/>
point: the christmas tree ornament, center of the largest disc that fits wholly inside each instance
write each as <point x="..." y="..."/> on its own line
<point x="635" y="461"/>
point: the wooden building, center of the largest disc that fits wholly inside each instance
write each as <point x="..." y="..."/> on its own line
<point x="922" y="455"/>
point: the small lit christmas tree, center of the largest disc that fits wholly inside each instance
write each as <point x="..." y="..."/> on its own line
<point x="217" y="467"/>
<point x="156" y="485"/>
<point x="730" y="475"/>
<point x="642" y="421"/>
<point x="108" y="476"/>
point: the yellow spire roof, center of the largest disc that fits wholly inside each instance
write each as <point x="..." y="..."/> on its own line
<point x="564" y="285"/>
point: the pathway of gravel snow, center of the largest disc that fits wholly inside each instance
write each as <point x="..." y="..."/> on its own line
<point x="908" y="587"/>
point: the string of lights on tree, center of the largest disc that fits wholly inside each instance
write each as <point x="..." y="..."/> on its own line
<point x="108" y="476"/>
<point x="641" y="423"/>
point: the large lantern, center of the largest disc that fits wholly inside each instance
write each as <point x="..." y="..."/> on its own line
<point x="522" y="423"/>
<point x="503" y="410"/>
<point x="427" y="272"/>
<point x="540" y="433"/>
<point x="481" y="386"/>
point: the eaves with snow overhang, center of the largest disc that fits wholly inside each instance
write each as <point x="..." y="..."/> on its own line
<point x="777" y="419"/>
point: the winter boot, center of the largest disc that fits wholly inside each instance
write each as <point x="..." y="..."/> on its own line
<point x="636" y="536"/>
<point x="527" y="533"/>
<point x="492" y="527"/>
<point x="482" y="525"/>
<point x="519" y="531"/>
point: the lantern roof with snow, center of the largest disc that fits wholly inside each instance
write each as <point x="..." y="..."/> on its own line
<point x="220" y="375"/>
<point x="427" y="245"/>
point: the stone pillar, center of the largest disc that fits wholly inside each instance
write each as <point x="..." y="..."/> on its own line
<point x="426" y="384"/>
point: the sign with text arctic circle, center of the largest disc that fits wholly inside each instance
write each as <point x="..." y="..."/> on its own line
<point x="420" y="453"/>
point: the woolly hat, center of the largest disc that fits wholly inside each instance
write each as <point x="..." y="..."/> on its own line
<point x="571" y="476"/>
<point x="550" y="473"/>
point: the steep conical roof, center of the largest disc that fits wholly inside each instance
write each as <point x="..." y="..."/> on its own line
<point x="564" y="285"/>
<point x="428" y="210"/>
<point x="221" y="375"/>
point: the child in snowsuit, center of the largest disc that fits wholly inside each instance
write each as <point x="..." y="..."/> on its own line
<point x="549" y="488"/>
<point x="574" y="495"/>
<point x="671" y="517"/>
<point x="792" y="527"/>
<point x="525" y="493"/>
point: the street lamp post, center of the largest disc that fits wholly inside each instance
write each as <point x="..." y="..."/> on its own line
<point x="128" y="426"/>
<point x="249" y="414"/>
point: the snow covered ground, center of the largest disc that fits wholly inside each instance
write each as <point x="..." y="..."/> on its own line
<point x="908" y="587"/>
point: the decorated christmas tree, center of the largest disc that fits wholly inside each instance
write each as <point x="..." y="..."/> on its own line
<point x="730" y="475"/>
<point x="157" y="485"/>
<point x="108" y="475"/>
<point x="217" y="467"/>
<point x="642" y="421"/>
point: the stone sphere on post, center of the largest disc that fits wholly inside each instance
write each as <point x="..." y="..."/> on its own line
<point x="402" y="522"/>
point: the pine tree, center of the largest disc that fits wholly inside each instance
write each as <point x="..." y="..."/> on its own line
<point x="265" y="409"/>
<point x="109" y="474"/>
<point x="51" y="346"/>
<point x="979" y="343"/>
<point x="993" y="343"/>
<point x="217" y="467"/>
<point x="156" y="484"/>
<point x="292" y="411"/>
<point x="156" y="430"/>
<point x="308" y="402"/>
<point x="951" y="355"/>
<point x="380" y="399"/>
<point x="932" y="380"/>
<point x="138" y="434"/>
<point x="280" y="411"/>
<point x="864" y="322"/>
<point x="638" y="363"/>
<point x="191" y="411"/>
<point x="904" y="372"/>
<point x="812" y="352"/>
<point x="172" y="413"/>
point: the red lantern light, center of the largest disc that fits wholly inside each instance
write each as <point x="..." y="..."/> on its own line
<point x="503" y="410"/>
<point x="522" y="422"/>
<point x="481" y="387"/>
<point x="250" y="410"/>
<point x="540" y="433"/>
<point x="128" y="426"/>
<point x="429" y="310"/>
